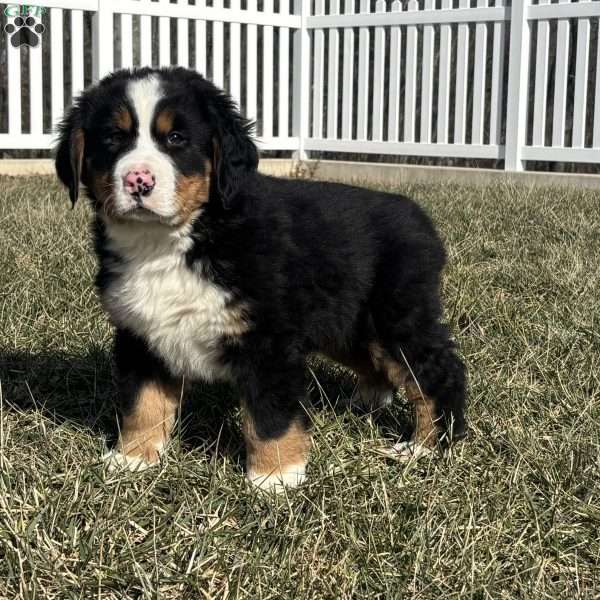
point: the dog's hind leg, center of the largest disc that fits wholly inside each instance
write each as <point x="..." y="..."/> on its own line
<point x="433" y="378"/>
<point x="373" y="390"/>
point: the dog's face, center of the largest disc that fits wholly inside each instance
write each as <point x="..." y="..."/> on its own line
<point x="154" y="145"/>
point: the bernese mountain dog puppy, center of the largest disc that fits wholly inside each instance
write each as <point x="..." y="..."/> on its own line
<point x="210" y="271"/>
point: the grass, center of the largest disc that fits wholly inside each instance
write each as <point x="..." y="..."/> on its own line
<point x="513" y="512"/>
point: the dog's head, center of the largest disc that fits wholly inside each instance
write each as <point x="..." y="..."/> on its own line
<point x="155" y="145"/>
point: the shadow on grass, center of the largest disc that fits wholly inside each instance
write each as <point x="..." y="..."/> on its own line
<point x="80" y="389"/>
<point x="64" y="387"/>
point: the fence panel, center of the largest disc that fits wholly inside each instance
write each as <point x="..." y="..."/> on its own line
<point x="567" y="117"/>
<point x="405" y="77"/>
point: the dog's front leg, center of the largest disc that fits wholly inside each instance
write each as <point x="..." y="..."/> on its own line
<point x="149" y="400"/>
<point x="275" y="429"/>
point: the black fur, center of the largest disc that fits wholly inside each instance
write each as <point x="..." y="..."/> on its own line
<point x="322" y="267"/>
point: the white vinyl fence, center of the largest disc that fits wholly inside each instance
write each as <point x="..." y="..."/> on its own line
<point x="470" y="79"/>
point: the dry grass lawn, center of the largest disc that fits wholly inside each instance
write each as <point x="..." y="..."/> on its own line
<point x="514" y="512"/>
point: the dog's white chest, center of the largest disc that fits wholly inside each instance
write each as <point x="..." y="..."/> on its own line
<point x="182" y="316"/>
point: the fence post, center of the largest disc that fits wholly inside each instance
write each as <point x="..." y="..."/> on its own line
<point x="102" y="40"/>
<point x="301" y="79"/>
<point x="518" y="86"/>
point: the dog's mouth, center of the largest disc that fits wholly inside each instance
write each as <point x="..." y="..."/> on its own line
<point x="139" y="212"/>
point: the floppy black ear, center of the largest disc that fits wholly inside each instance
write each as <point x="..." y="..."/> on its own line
<point x="235" y="154"/>
<point x="69" y="153"/>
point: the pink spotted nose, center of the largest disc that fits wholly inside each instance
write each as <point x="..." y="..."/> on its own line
<point x="139" y="182"/>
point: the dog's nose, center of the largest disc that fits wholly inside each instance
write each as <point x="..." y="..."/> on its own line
<point x="139" y="181"/>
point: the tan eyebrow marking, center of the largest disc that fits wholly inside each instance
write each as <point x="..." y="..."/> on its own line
<point x="164" y="121"/>
<point x="123" y="120"/>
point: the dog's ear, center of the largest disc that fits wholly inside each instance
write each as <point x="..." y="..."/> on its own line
<point x="69" y="153"/>
<point x="234" y="153"/>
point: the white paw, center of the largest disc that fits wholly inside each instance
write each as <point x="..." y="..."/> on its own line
<point x="407" y="451"/>
<point x="116" y="461"/>
<point x="289" y="477"/>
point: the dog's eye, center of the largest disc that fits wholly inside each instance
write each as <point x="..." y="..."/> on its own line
<point x="175" y="139"/>
<point x="115" y="138"/>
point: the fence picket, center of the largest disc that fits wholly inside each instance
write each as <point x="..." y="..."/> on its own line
<point x="479" y="81"/>
<point x="267" y="91"/>
<point x="36" y="94"/>
<point x="561" y="75"/>
<point x="103" y="55"/>
<point x="596" y="139"/>
<point x="581" y="81"/>
<point x="218" y="77"/>
<point x="443" y="116"/>
<point x="410" y="106"/>
<point x="301" y="94"/>
<point x="235" y="57"/>
<point x="126" y="41"/>
<point x="427" y="89"/>
<point x="497" y="94"/>
<point x="145" y="41"/>
<point x="541" y="81"/>
<point x="332" y="75"/>
<point x="395" y="76"/>
<point x="518" y="82"/>
<point x="164" y="39"/>
<point x="77" y="72"/>
<point x="318" y="74"/>
<point x="378" y="77"/>
<point x="201" y="39"/>
<point x="284" y="73"/>
<point x="363" y="77"/>
<point x="462" y="71"/>
<point x="57" y="78"/>
<point x="348" y="76"/>
<point x="14" y="88"/>
<point x="183" y="42"/>
<point x="251" y="66"/>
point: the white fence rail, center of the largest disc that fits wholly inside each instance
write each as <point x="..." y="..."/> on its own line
<point x="470" y="79"/>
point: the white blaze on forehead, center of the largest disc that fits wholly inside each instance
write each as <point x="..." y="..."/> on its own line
<point x="144" y="96"/>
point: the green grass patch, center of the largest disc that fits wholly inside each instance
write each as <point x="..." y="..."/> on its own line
<point x="513" y="512"/>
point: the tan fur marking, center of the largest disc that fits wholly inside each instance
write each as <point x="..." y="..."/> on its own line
<point x="384" y="363"/>
<point x="164" y="121"/>
<point x="235" y="321"/>
<point x="271" y="457"/>
<point x="399" y="376"/>
<point x="426" y="428"/>
<point x="191" y="193"/>
<point x="101" y="185"/>
<point x="147" y="428"/>
<point x="123" y="120"/>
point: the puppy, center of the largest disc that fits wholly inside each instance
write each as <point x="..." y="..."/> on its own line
<point x="210" y="271"/>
